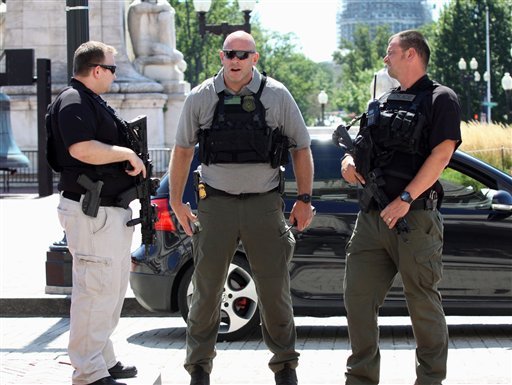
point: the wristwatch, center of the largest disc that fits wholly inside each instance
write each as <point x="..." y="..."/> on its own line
<point x="406" y="197"/>
<point x="306" y="198"/>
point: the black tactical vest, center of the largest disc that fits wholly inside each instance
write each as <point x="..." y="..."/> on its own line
<point x="400" y="128"/>
<point x="239" y="131"/>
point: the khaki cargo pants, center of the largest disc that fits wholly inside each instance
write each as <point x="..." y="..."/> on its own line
<point x="374" y="256"/>
<point x="259" y="223"/>
<point x="101" y="267"/>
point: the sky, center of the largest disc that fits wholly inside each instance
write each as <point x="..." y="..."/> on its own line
<point x="314" y="22"/>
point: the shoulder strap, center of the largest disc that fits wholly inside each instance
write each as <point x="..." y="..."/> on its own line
<point x="262" y="84"/>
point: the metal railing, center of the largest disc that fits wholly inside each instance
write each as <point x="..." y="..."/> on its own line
<point x="26" y="177"/>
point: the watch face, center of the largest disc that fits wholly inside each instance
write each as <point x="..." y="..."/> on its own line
<point x="306" y="198"/>
<point x="406" y="197"/>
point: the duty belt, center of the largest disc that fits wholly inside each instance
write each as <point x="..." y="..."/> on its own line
<point x="424" y="204"/>
<point x="104" y="201"/>
<point x="418" y="204"/>
<point x="210" y="191"/>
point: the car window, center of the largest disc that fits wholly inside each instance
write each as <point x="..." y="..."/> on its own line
<point x="462" y="191"/>
<point x="327" y="189"/>
<point x="328" y="184"/>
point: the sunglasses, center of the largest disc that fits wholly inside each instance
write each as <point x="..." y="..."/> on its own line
<point x="240" y="55"/>
<point x="107" y="67"/>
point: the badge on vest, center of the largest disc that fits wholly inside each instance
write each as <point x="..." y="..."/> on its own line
<point x="248" y="103"/>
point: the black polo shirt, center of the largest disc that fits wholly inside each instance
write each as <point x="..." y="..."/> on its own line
<point x="78" y="116"/>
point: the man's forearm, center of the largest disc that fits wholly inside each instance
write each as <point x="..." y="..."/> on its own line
<point x="95" y="152"/>
<point x="179" y="168"/>
<point x="303" y="168"/>
<point x="431" y="170"/>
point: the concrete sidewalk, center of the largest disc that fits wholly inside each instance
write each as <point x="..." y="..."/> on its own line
<point x="33" y="350"/>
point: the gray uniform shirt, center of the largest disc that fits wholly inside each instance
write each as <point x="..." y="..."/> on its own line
<point x="281" y="112"/>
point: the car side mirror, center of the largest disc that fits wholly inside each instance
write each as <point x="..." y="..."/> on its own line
<point x="502" y="205"/>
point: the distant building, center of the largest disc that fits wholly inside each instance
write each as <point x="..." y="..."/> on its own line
<point x="398" y="15"/>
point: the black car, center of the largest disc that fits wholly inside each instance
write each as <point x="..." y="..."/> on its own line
<point x="477" y="255"/>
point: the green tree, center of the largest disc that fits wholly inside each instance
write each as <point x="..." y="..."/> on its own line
<point x="359" y="61"/>
<point x="280" y="58"/>
<point x="460" y="32"/>
<point x="202" y="54"/>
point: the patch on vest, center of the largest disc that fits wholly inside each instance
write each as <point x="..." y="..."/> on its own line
<point x="249" y="104"/>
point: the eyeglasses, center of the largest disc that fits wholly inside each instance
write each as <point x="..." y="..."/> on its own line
<point x="107" y="67"/>
<point x="240" y="55"/>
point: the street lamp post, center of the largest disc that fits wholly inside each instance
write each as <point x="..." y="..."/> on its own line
<point x="506" y="83"/>
<point x="203" y="6"/>
<point x="468" y="77"/>
<point x="322" y="99"/>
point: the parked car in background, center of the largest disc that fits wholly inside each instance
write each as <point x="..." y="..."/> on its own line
<point x="477" y="255"/>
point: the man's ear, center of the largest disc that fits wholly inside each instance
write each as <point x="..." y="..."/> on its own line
<point x="411" y="53"/>
<point x="95" y="72"/>
<point x="255" y="58"/>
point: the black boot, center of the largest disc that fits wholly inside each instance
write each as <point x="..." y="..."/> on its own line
<point x="119" y="370"/>
<point x="286" y="376"/>
<point x="199" y="377"/>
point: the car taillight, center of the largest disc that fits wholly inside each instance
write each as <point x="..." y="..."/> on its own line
<point x="164" y="222"/>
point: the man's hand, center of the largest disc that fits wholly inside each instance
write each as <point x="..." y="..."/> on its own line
<point x="184" y="215"/>
<point x="137" y="166"/>
<point x="301" y="215"/>
<point x="349" y="172"/>
<point x="394" y="211"/>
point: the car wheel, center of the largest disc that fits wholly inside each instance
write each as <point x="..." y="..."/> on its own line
<point x="239" y="305"/>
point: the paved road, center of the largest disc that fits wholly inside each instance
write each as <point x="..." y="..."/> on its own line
<point x="33" y="351"/>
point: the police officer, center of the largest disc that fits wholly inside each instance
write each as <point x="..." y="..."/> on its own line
<point x="237" y="117"/>
<point x="87" y="147"/>
<point x="405" y="143"/>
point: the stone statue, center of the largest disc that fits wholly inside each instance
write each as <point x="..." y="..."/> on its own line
<point x="153" y="37"/>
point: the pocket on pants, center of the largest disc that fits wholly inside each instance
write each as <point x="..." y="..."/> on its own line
<point x="93" y="274"/>
<point x="430" y="265"/>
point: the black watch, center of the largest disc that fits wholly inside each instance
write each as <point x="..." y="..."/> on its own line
<point x="406" y="197"/>
<point x="306" y="198"/>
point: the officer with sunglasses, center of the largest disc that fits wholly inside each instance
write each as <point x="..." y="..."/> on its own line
<point x="86" y="145"/>
<point x="241" y="119"/>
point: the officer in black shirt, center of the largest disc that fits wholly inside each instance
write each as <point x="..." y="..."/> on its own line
<point x="87" y="146"/>
<point x="406" y="140"/>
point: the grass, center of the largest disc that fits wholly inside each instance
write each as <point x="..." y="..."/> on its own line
<point x="491" y="143"/>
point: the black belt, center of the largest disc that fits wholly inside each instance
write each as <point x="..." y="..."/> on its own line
<point x="104" y="201"/>
<point x="423" y="204"/>
<point x="418" y="204"/>
<point x="210" y="191"/>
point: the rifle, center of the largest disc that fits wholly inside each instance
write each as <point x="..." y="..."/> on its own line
<point x="372" y="188"/>
<point x="342" y="138"/>
<point x="136" y="132"/>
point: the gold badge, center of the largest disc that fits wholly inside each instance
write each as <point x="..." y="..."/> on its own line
<point x="201" y="190"/>
<point x="248" y="103"/>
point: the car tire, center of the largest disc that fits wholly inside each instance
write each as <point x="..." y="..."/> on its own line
<point x="239" y="305"/>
